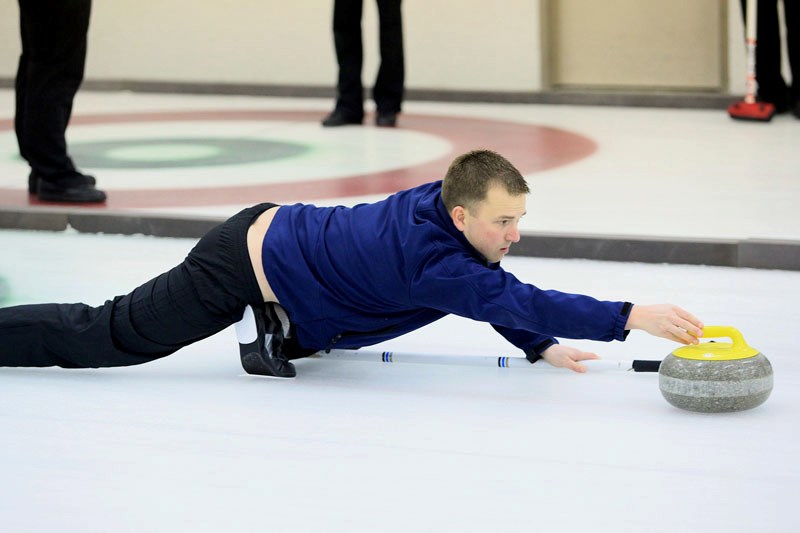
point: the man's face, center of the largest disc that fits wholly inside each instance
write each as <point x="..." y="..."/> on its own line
<point x="493" y="224"/>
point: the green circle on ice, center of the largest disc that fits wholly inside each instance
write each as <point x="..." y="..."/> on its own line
<point x="180" y="152"/>
<point x="163" y="152"/>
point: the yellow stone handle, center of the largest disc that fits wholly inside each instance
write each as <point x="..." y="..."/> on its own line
<point x="732" y="333"/>
<point x="717" y="351"/>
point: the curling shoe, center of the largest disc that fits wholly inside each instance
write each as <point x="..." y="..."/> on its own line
<point x="33" y="181"/>
<point x="340" y="118"/>
<point x="71" y="189"/>
<point x="261" y="337"/>
<point x="386" y="120"/>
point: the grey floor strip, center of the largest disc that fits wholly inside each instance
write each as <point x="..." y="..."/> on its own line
<point x="748" y="253"/>
<point x="593" y="97"/>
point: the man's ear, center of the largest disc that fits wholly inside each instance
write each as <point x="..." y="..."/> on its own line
<point x="458" y="214"/>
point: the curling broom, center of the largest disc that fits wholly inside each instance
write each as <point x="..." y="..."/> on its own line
<point x="749" y="109"/>
<point x="637" y="365"/>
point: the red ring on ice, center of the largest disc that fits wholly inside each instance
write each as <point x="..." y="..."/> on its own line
<point x="529" y="147"/>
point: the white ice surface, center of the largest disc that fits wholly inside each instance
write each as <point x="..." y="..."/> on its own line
<point x="674" y="173"/>
<point x="190" y="443"/>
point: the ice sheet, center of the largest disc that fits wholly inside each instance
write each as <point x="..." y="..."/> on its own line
<point x="191" y="443"/>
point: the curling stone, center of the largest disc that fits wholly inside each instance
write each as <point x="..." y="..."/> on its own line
<point x="716" y="377"/>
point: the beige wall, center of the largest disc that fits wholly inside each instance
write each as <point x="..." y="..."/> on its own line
<point x="636" y="44"/>
<point x="478" y="46"/>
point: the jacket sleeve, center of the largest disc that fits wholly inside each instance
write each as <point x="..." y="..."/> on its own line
<point x="459" y="284"/>
<point x="533" y="344"/>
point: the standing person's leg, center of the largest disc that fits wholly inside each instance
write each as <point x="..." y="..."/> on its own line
<point x="50" y="72"/>
<point x="349" y="55"/>
<point x="771" y="86"/>
<point x="791" y="11"/>
<point x="389" y="85"/>
<point x="21" y="85"/>
<point x="201" y="296"/>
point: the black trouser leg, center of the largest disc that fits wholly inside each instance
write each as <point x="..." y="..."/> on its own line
<point x="791" y="10"/>
<point x="50" y="71"/>
<point x="771" y="85"/>
<point x="65" y="335"/>
<point x="350" y="56"/>
<point x="20" y="86"/>
<point x="388" y="90"/>
<point x="198" y="298"/>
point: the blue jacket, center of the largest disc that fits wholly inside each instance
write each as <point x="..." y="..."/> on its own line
<point x="352" y="277"/>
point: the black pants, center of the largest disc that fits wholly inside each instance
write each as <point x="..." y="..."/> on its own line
<point x="771" y="85"/>
<point x="388" y="90"/>
<point x="196" y="299"/>
<point x="48" y="76"/>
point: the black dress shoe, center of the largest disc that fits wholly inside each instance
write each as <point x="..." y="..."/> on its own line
<point x="264" y="356"/>
<point x="386" y="120"/>
<point x="339" y="118"/>
<point x="33" y="181"/>
<point x="73" y="189"/>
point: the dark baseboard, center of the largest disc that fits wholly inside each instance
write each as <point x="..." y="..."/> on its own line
<point x="746" y="253"/>
<point x="620" y="98"/>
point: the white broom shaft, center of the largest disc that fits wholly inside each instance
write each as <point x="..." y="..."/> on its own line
<point x="461" y="360"/>
<point x="751" y="20"/>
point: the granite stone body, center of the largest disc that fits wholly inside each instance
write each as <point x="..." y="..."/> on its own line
<point x="715" y="386"/>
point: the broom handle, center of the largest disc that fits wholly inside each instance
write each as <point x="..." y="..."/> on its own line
<point x="751" y="20"/>
<point x="478" y="360"/>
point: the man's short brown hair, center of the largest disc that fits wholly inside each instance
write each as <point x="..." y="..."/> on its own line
<point x="470" y="175"/>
